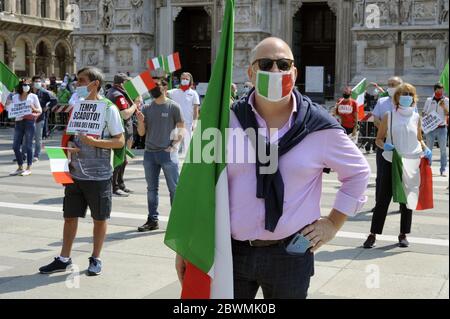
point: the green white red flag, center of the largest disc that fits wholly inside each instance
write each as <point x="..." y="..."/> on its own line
<point x="169" y="64"/>
<point x="199" y="224"/>
<point x="358" y="94"/>
<point x="412" y="182"/>
<point x="8" y="81"/>
<point x="59" y="165"/>
<point x="139" y="85"/>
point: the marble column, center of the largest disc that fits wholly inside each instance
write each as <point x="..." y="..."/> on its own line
<point x="343" y="43"/>
<point x="12" y="60"/>
<point x="33" y="63"/>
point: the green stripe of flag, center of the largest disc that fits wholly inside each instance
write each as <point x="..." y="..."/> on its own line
<point x="359" y="89"/>
<point x="263" y="84"/>
<point x="131" y="90"/>
<point x="398" y="191"/>
<point x="55" y="153"/>
<point x="7" y="77"/>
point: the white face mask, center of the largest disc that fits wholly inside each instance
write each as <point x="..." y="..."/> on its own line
<point x="185" y="82"/>
<point x="26" y="88"/>
<point x="391" y="91"/>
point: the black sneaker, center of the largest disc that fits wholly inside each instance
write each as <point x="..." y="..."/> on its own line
<point x="402" y="241"/>
<point x="370" y="242"/>
<point x="120" y="193"/>
<point x="56" y="266"/>
<point x="127" y="190"/>
<point x="149" y="226"/>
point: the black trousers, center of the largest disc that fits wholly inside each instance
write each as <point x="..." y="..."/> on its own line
<point x="383" y="199"/>
<point x="117" y="179"/>
<point x="279" y="274"/>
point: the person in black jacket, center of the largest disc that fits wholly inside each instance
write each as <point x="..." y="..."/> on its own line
<point x="47" y="101"/>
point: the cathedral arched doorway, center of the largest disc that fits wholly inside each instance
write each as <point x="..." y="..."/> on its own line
<point x="314" y="43"/>
<point x="192" y="32"/>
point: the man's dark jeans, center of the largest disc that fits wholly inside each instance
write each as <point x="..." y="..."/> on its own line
<point x="279" y="274"/>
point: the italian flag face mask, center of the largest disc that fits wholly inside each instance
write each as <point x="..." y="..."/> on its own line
<point x="274" y="86"/>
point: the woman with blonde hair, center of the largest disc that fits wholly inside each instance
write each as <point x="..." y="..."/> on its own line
<point x="399" y="130"/>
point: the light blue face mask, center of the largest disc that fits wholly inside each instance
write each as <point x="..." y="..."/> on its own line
<point x="406" y="101"/>
<point x="82" y="91"/>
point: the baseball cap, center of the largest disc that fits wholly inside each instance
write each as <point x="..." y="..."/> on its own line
<point x="120" y="78"/>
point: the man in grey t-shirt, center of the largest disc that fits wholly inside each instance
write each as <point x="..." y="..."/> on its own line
<point x="162" y="123"/>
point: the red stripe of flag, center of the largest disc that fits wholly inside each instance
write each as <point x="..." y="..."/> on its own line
<point x="361" y="113"/>
<point x="196" y="284"/>
<point x="148" y="80"/>
<point x="426" y="186"/>
<point x="151" y="66"/>
<point x="286" y="84"/>
<point x="62" y="177"/>
<point x="177" y="61"/>
<point x="1" y="107"/>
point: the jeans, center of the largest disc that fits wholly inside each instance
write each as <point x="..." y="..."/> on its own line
<point x="117" y="179"/>
<point x="279" y="274"/>
<point x="153" y="163"/>
<point x="38" y="138"/>
<point x="441" y="134"/>
<point x="24" y="128"/>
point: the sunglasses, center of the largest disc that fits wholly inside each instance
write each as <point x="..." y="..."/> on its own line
<point x="267" y="64"/>
<point x="407" y="94"/>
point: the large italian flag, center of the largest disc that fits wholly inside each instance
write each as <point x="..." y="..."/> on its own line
<point x="8" y="81"/>
<point x="199" y="224"/>
<point x="412" y="182"/>
<point x="358" y="94"/>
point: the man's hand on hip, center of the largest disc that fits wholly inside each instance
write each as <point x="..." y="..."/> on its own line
<point x="319" y="233"/>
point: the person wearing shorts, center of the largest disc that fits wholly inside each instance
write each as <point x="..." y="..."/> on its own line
<point x="91" y="172"/>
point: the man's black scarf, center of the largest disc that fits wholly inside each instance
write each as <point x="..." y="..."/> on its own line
<point x="310" y="117"/>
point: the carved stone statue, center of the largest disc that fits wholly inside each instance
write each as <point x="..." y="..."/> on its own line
<point x="393" y="11"/>
<point x="443" y="15"/>
<point x="405" y="12"/>
<point x="138" y="13"/>
<point x="357" y="13"/>
<point x="107" y="9"/>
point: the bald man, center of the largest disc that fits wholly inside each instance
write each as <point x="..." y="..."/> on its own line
<point x="276" y="223"/>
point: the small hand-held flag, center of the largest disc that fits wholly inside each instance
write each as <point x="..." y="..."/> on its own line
<point x="8" y="81"/>
<point x="139" y="85"/>
<point x="358" y="94"/>
<point x="444" y="79"/>
<point x="59" y="165"/>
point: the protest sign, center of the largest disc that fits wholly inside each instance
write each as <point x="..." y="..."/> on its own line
<point x="430" y="122"/>
<point x="20" y="109"/>
<point x="88" y="117"/>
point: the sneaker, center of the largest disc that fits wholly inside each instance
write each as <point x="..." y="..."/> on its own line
<point x="120" y="193"/>
<point x="17" y="172"/>
<point x="402" y="241"/>
<point x="56" y="266"/>
<point x="95" y="267"/>
<point x="149" y="226"/>
<point x="370" y="242"/>
<point x="35" y="159"/>
<point x="127" y="190"/>
<point x="443" y="174"/>
<point x="26" y="172"/>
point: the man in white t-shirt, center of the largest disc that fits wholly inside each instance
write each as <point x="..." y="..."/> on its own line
<point x="189" y="102"/>
<point x="439" y="104"/>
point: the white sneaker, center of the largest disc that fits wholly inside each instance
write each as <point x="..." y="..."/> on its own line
<point x="35" y="159"/>
<point x="16" y="172"/>
<point x="26" y="172"/>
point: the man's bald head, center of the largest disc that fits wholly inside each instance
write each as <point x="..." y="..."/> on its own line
<point x="395" y="81"/>
<point x="272" y="48"/>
